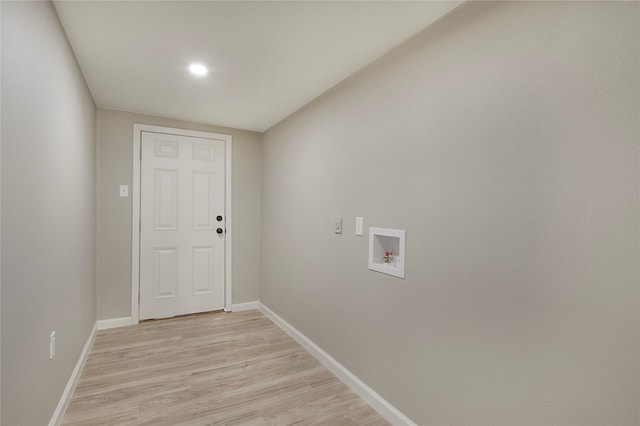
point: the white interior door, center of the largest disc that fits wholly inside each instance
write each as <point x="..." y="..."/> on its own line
<point x="182" y="237"/>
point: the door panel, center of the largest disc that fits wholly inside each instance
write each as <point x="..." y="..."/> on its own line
<point x="181" y="254"/>
<point x="165" y="197"/>
<point x="203" y="270"/>
<point x="165" y="272"/>
<point x="203" y="203"/>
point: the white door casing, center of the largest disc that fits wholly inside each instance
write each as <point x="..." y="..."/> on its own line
<point x="183" y="188"/>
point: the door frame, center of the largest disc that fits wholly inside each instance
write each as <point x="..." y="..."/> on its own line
<point x="135" y="211"/>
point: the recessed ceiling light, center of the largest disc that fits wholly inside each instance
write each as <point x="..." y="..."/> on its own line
<point x="198" y="69"/>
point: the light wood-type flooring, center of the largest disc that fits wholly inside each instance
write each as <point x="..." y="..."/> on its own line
<point x="224" y="368"/>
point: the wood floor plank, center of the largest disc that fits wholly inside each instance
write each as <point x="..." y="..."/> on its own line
<point x="218" y="369"/>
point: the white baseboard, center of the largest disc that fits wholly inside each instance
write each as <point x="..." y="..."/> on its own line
<point x="378" y="403"/>
<point x="56" y="419"/>
<point x="114" y="322"/>
<point x="246" y="306"/>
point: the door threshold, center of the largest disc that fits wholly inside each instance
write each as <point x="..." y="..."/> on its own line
<point x="195" y="314"/>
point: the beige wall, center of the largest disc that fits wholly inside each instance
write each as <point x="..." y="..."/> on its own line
<point x="48" y="212"/>
<point x="505" y="141"/>
<point x="115" y="147"/>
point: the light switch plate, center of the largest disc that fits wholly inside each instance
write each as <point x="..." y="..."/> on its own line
<point x="359" y="222"/>
<point x="124" y="190"/>
<point x="52" y="345"/>
<point x="338" y="224"/>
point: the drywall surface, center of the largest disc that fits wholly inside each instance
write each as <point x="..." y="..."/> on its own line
<point x="115" y="162"/>
<point x="504" y="140"/>
<point x="48" y="212"/>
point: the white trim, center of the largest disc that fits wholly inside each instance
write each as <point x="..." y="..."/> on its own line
<point x="56" y="419"/>
<point x="135" y="226"/>
<point x="114" y="323"/>
<point x="246" y="306"/>
<point x="378" y="403"/>
<point x="135" y="211"/>
<point x="228" y="299"/>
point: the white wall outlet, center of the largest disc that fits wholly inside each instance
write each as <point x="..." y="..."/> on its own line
<point x="338" y="224"/>
<point x="359" y="222"/>
<point x="52" y="344"/>
<point x="124" y="190"/>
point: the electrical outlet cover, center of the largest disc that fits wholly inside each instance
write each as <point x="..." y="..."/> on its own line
<point x="359" y="223"/>
<point x="52" y="344"/>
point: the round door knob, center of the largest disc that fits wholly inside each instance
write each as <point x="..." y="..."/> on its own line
<point x="219" y="230"/>
<point x="219" y="218"/>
